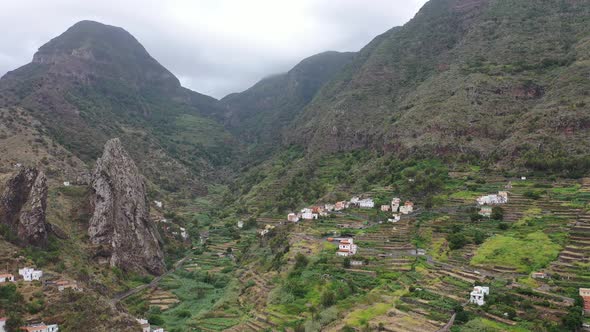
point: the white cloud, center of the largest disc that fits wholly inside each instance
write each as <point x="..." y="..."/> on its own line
<point x="214" y="46"/>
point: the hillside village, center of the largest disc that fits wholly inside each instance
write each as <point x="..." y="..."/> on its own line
<point x="435" y="180"/>
<point x="457" y="273"/>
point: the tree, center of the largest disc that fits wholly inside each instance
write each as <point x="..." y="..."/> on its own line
<point x="497" y="213"/>
<point x="300" y="261"/>
<point x="346" y="263"/>
<point x="573" y="320"/>
<point x="328" y="298"/>
<point x="250" y="223"/>
<point x="462" y="316"/>
<point x="479" y="237"/>
<point x="457" y="241"/>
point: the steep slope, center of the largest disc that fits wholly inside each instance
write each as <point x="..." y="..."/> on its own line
<point x="95" y="82"/>
<point x="466" y="78"/>
<point x="120" y="224"/>
<point x="22" y="207"/>
<point x="260" y="114"/>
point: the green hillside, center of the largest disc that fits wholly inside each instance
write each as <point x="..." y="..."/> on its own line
<point x="497" y="80"/>
<point x="261" y="114"/>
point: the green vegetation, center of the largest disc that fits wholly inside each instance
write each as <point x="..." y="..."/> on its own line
<point x="531" y="252"/>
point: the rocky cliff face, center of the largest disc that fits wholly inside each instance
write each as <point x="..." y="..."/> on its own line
<point x="23" y="204"/>
<point x="120" y="224"/>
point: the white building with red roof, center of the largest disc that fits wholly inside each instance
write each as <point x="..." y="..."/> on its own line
<point x="346" y="247"/>
<point x="6" y="277"/>
<point x="40" y="327"/>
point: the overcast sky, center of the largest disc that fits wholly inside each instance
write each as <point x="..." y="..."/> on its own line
<point x="213" y="46"/>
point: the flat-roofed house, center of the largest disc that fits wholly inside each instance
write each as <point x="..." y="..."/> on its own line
<point x="6" y="277"/>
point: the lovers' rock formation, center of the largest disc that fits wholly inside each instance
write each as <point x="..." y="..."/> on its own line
<point x="120" y="224"/>
<point x="22" y="207"/>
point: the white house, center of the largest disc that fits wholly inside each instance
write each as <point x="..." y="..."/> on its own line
<point x="539" y="275"/>
<point x="240" y="224"/>
<point x="407" y="208"/>
<point x="346" y="247"/>
<point x="158" y="204"/>
<point x="41" y="327"/>
<point x="339" y="206"/>
<point x="478" y="294"/>
<point x="500" y="198"/>
<point x="354" y="200"/>
<point x="292" y="217"/>
<point x="67" y="183"/>
<point x="6" y="277"/>
<point x="385" y="208"/>
<point x="2" y="324"/>
<point x="145" y="326"/>
<point x="183" y="233"/>
<point x="394" y="218"/>
<point x="67" y="284"/>
<point x="30" y="274"/>
<point x="485" y="211"/>
<point x="308" y="214"/>
<point x="329" y="207"/>
<point x="367" y="203"/>
<point x="395" y="204"/>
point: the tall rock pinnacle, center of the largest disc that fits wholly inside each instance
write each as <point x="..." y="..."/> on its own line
<point x="120" y="224"/>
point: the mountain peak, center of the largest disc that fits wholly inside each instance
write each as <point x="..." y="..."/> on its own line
<point x="90" y="48"/>
<point x="88" y="39"/>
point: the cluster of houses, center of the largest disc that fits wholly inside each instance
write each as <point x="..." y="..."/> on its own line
<point x="478" y="294"/>
<point x="30" y="274"/>
<point x="486" y="202"/>
<point x="146" y="327"/>
<point x="27" y="274"/>
<point x="37" y="327"/>
<point x="314" y="212"/>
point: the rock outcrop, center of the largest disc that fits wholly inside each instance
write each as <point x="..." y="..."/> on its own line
<point x="120" y="224"/>
<point x="22" y="207"/>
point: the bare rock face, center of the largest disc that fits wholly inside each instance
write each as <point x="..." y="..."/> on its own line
<point x="22" y="207"/>
<point x="120" y="225"/>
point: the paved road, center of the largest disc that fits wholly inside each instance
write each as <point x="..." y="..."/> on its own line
<point x="121" y="296"/>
